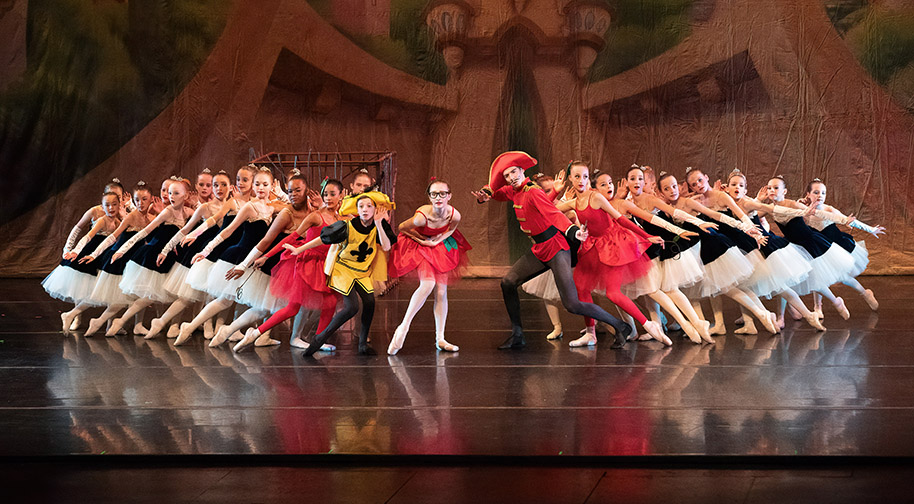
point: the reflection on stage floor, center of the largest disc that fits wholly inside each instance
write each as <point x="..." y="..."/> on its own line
<point x="842" y="392"/>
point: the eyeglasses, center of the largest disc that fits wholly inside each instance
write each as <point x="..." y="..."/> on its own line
<point x="438" y="194"/>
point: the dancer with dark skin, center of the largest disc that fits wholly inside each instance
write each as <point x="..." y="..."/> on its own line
<point x="555" y="239"/>
<point x="359" y="262"/>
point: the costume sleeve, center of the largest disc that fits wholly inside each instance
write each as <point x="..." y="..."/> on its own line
<point x="391" y="235"/>
<point x="338" y="232"/>
<point x="279" y="246"/>
<point x="631" y="226"/>
<point x="503" y="193"/>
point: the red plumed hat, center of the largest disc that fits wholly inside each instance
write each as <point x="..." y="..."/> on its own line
<point x="505" y="161"/>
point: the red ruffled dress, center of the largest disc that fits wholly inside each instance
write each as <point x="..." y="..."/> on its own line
<point x="443" y="262"/>
<point x="612" y="255"/>
<point x="301" y="278"/>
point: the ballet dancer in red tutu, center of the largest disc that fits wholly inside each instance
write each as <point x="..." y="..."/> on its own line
<point x="431" y="247"/>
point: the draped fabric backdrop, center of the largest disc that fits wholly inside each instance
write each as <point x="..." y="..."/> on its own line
<point x="142" y="90"/>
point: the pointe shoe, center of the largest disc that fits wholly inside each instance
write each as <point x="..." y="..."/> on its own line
<point x="265" y="340"/>
<point x="444" y="346"/>
<point x="184" y="334"/>
<point x="396" y="341"/>
<point x="780" y="322"/>
<point x="769" y="322"/>
<point x="870" y="299"/>
<point x="718" y="330"/>
<point x="221" y="335"/>
<point x="739" y="321"/>
<point x="794" y="314"/>
<point x="748" y="327"/>
<point x="304" y="345"/>
<point x="691" y="333"/>
<point x="173" y="331"/>
<point x="115" y="327"/>
<point x="236" y="336"/>
<point x="65" y="320"/>
<point x="653" y="328"/>
<point x="555" y="334"/>
<point x="814" y="321"/>
<point x="588" y="340"/>
<point x="818" y="312"/>
<point x="155" y="327"/>
<point x="139" y="330"/>
<point x="94" y="325"/>
<point x="208" y="331"/>
<point x="249" y="337"/>
<point x="74" y="325"/>
<point x="514" y="342"/>
<point x="842" y="308"/>
<point x="704" y="330"/>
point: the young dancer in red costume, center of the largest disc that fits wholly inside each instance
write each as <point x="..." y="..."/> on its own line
<point x="430" y="245"/>
<point x="555" y="240"/>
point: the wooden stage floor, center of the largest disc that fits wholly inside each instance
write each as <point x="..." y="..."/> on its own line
<point x="847" y="391"/>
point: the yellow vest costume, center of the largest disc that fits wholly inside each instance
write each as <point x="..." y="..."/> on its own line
<point x="360" y="258"/>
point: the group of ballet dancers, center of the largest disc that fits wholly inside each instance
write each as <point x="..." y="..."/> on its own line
<point x="234" y="257"/>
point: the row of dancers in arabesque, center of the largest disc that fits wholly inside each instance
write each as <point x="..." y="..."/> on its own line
<point x="237" y="257"/>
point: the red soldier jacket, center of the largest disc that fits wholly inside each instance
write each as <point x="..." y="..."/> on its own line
<point x="549" y="229"/>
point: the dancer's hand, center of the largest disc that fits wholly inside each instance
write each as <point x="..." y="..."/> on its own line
<point x="878" y="230"/>
<point x="69" y="256"/>
<point x="762" y="194"/>
<point x="234" y="273"/>
<point x="581" y="234"/>
<point x="160" y="259"/>
<point x="314" y="199"/>
<point x="688" y="234"/>
<point x="481" y="196"/>
<point x="656" y="240"/>
<point x="293" y="249"/>
<point x="197" y="258"/>
<point x="380" y="214"/>
<point x="621" y="189"/>
<point x="558" y="184"/>
<point x="260" y="261"/>
<point x="116" y="256"/>
<point x="86" y="259"/>
<point x="762" y="240"/>
<point x="189" y="239"/>
<point x="707" y="226"/>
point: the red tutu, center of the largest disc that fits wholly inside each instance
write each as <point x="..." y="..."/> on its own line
<point x="301" y="279"/>
<point x="611" y="256"/>
<point x="443" y="262"/>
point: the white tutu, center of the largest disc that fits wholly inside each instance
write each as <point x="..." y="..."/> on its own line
<point x="543" y="287"/>
<point x="723" y="274"/>
<point x="683" y="271"/>
<point x="785" y="267"/>
<point x="67" y="284"/>
<point x="107" y="291"/>
<point x="861" y="258"/>
<point x="255" y="292"/>
<point x="216" y="284"/>
<point x="647" y="283"/>
<point x="176" y="283"/>
<point x="145" y="283"/>
<point x="198" y="275"/>
<point x="834" y="266"/>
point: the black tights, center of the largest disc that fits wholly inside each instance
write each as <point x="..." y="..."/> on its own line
<point x="528" y="266"/>
<point x="350" y="308"/>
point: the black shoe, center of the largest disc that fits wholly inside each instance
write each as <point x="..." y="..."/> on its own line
<point x="316" y="344"/>
<point x="514" y="342"/>
<point x="622" y="334"/>
<point x="367" y="350"/>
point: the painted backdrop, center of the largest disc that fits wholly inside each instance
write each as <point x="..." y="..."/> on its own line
<point x="147" y="89"/>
